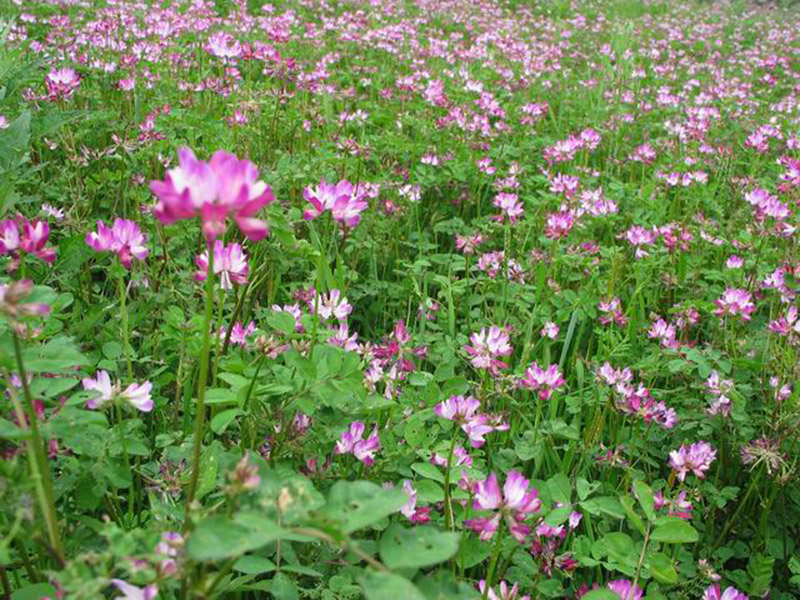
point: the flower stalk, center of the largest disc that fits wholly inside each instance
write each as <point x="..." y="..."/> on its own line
<point x="199" y="419"/>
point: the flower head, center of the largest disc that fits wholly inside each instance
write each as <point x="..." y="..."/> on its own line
<point x="225" y="186"/>
<point x="137" y="395"/>
<point x="545" y="380"/>
<point x="132" y="592"/>
<point x="11" y="297"/>
<point x="123" y="238"/>
<point x="352" y="442"/>
<point x="486" y="346"/>
<point x="735" y="301"/>
<point x="515" y="502"/>
<point x="344" y="200"/>
<point x="625" y="589"/>
<point x="230" y="264"/>
<point x="713" y="592"/>
<point x="696" y="458"/>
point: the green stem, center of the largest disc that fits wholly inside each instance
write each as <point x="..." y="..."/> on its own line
<point x="739" y="510"/>
<point x="448" y="508"/>
<point x="124" y="318"/>
<point x="199" y="418"/>
<point x="37" y="458"/>
<point x="493" y="562"/>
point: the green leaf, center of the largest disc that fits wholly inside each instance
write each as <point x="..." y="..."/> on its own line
<point x="558" y="515"/>
<point x="560" y="489"/>
<point x="9" y="431"/>
<point x="608" y="505"/>
<point x="283" y="588"/>
<point x="34" y="592"/>
<point x="416" y="547"/>
<point x="662" y="569"/>
<point x="388" y="586"/>
<point x="675" y="531"/>
<point x="254" y="565"/>
<point x="646" y="500"/>
<point x="633" y="517"/>
<point x="428" y="471"/>
<point x="619" y="547"/>
<point x="220" y="422"/>
<point x="15" y="141"/>
<point x="282" y="321"/>
<point x="600" y="594"/>
<point x="586" y="489"/>
<point x="353" y="505"/>
<point x="217" y="538"/>
<point x="759" y="568"/>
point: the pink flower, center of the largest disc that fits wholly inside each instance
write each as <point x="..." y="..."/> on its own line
<point x="9" y="236"/>
<point x="343" y="200"/>
<point x="410" y="509"/>
<point x="510" y="205"/>
<point x="225" y="186"/>
<point x="132" y="592"/>
<point x="612" y="312"/>
<point x="464" y="411"/>
<point x="295" y="311"/>
<point x="546" y="381"/>
<point x="514" y="503"/>
<point x="469" y="243"/>
<point x="713" y="592"/>
<point x="696" y="458"/>
<point x="230" y="265"/>
<point x="352" y="442"/>
<point x="11" y="296"/>
<point x="34" y="238"/>
<point x="486" y="346"/>
<point x="550" y="330"/>
<point x="61" y="83"/>
<point x="625" y="590"/>
<point x="239" y="333"/>
<point x="333" y="305"/>
<point x="138" y="395"/>
<point x="735" y="301"/>
<point x="223" y="45"/>
<point x="344" y="339"/>
<point x="661" y="330"/>
<point x="559" y="224"/>
<point x="124" y="238"/>
<point x="506" y="593"/>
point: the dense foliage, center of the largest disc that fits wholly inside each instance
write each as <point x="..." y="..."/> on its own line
<point x="419" y="299"/>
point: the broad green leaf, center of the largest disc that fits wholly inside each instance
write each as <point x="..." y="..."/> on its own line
<point x="675" y="531"/>
<point x="416" y="547"/>
<point x="557" y="516"/>
<point x="353" y="505"/>
<point x="608" y="505"/>
<point x="662" y="569"/>
<point x="560" y="489"/>
<point x="601" y="594"/>
<point x="220" y="422"/>
<point x="218" y="538"/>
<point x="37" y="591"/>
<point x="378" y="585"/>
<point x="628" y="504"/>
<point x="646" y="500"/>
<point x="254" y="565"/>
<point x="428" y="471"/>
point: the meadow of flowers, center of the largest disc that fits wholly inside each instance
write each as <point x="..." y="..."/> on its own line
<point x="399" y="299"/>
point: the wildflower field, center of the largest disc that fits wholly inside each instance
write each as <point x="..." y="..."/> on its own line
<point x="399" y="299"/>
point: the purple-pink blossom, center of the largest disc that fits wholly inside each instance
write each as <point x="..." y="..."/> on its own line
<point x="486" y="346"/>
<point x="696" y="458"/>
<point x="215" y="190"/>
<point x="124" y="238"/>
<point x="514" y="503"/>
<point x="230" y="265"/>
<point x="352" y="442"/>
